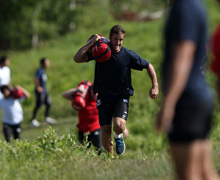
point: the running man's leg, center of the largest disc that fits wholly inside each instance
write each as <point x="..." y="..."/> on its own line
<point x="120" y="116"/>
<point x="119" y="125"/>
<point x="106" y="138"/>
<point x="126" y="132"/>
<point x="119" y="122"/>
<point x="106" y="111"/>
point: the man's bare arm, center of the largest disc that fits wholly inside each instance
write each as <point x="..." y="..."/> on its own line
<point x="81" y="55"/>
<point x="154" y="91"/>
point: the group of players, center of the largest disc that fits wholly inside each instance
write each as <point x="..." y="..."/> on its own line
<point x="10" y="97"/>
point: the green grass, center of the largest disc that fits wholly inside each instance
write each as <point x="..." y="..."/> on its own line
<point x="47" y="156"/>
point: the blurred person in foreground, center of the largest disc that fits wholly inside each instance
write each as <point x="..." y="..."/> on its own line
<point x="41" y="93"/>
<point x="186" y="112"/>
<point x="114" y="86"/>
<point x="215" y="50"/>
<point x="12" y="110"/>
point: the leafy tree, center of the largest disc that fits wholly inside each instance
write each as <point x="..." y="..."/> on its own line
<point x="24" y="22"/>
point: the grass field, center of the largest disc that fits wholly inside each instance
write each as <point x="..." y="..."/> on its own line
<point x="53" y="153"/>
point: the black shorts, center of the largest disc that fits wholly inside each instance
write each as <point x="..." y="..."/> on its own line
<point x="107" y="110"/>
<point x="11" y="131"/>
<point x="192" y="121"/>
<point x="42" y="98"/>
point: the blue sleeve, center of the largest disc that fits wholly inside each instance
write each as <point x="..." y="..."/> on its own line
<point x="38" y="74"/>
<point x="137" y="62"/>
<point x="187" y="24"/>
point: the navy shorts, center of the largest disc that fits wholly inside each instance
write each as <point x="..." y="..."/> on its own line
<point x="192" y="121"/>
<point x="42" y="98"/>
<point x="107" y="110"/>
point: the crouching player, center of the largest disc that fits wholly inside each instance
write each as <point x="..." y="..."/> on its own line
<point x="84" y="101"/>
<point x="12" y="110"/>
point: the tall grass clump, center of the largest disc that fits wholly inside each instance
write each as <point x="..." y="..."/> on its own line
<point x="52" y="156"/>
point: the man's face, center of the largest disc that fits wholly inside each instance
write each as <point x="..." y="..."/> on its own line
<point x="7" y="62"/>
<point x="116" y="41"/>
<point x="47" y="63"/>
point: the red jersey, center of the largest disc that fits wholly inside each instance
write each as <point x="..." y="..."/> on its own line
<point x="215" y="48"/>
<point x="88" y="117"/>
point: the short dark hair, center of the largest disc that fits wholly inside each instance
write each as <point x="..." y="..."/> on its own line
<point x="117" y="29"/>
<point x="3" y="59"/>
<point x="42" y="61"/>
<point x="3" y="88"/>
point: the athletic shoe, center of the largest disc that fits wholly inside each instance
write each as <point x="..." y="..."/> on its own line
<point x="50" y="120"/>
<point x="35" y="123"/>
<point x="120" y="145"/>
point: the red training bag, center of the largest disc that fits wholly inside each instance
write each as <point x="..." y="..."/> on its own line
<point x="101" y="50"/>
<point x="16" y="93"/>
<point x="79" y="98"/>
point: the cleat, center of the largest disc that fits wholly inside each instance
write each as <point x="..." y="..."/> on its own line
<point x="120" y="145"/>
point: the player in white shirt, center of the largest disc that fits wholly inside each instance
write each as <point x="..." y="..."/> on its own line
<point x="12" y="110"/>
<point x="5" y="74"/>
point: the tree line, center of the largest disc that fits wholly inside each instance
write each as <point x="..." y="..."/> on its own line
<point x="25" y="23"/>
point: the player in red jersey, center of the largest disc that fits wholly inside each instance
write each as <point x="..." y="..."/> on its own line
<point x="84" y="101"/>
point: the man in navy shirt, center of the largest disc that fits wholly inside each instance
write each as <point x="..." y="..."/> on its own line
<point x="114" y="87"/>
<point x="42" y="96"/>
<point x="187" y="106"/>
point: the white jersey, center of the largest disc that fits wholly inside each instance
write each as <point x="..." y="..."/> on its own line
<point x="11" y="111"/>
<point x="5" y="77"/>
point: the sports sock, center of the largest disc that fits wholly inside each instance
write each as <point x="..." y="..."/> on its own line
<point x="118" y="136"/>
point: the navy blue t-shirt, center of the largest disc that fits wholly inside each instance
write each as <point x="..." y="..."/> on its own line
<point x="42" y="76"/>
<point x="113" y="77"/>
<point x="187" y="21"/>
